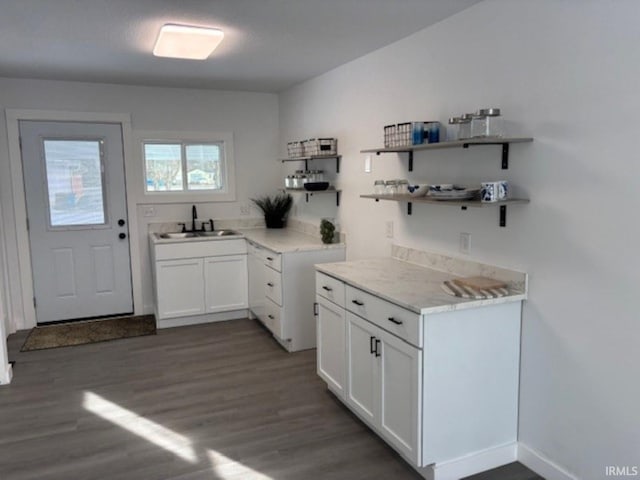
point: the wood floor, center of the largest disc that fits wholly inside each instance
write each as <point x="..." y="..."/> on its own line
<point x="210" y="402"/>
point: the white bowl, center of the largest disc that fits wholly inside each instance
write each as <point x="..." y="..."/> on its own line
<point x="418" y="190"/>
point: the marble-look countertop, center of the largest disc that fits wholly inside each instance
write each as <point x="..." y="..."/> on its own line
<point x="284" y="240"/>
<point x="414" y="287"/>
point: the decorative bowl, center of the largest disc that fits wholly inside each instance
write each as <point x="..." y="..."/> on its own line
<point x="316" y="186"/>
<point x="418" y="190"/>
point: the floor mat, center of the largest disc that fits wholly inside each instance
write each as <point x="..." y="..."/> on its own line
<point x="90" y="331"/>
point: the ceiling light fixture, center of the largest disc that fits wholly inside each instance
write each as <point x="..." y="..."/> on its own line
<point x="183" y="41"/>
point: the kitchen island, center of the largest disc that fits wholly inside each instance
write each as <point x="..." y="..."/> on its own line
<point x="436" y="376"/>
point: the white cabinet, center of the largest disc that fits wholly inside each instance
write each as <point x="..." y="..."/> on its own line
<point x="384" y="384"/>
<point x="179" y="288"/>
<point x="197" y="280"/>
<point x="282" y="292"/>
<point x="331" y="352"/>
<point x="225" y="278"/>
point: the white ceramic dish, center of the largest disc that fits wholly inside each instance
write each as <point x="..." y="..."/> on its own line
<point x="418" y="190"/>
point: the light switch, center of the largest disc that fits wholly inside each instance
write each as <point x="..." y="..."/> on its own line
<point x="367" y="164"/>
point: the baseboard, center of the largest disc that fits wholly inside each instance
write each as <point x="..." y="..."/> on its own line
<point x="541" y="464"/>
<point x="199" y="319"/>
<point x="6" y="375"/>
<point x="471" y="464"/>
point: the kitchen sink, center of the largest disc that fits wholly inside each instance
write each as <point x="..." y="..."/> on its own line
<point x="218" y="233"/>
<point x="178" y="235"/>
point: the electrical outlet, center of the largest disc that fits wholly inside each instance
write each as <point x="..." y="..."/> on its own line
<point x="149" y="211"/>
<point x="367" y="164"/>
<point x="245" y="209"/>
<point x="389" y="229"/>
<point x="465" y="243"/>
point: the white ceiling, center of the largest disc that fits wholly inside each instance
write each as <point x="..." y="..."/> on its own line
<point x="269" y="45"/>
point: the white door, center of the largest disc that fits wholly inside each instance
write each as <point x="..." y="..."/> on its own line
<point x="401" y="385"/>
<point x="180" y="287"/>
<point x="77" y="219"/>
<point x="225" y="278"/>
<point x="331" y="352"/>
<point x="362" y="367"/>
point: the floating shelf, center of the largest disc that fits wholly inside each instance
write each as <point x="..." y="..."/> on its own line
<point x="409" y="149"/>
<point x="316" y="192"/>
<point x="314" y="157"/>
<point x="463" y="204"/>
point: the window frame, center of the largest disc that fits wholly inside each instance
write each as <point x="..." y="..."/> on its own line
<point x="228" y="191"/>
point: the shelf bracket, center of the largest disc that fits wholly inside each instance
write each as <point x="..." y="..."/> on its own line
<point x="409" y="208"/>
<point x="306" y="165"/>
<point x="503" y="215"/>
<point x="337" y="199"/>
<point x="505" y="156"/>
<point x="410" y="153"/>
<point x="338" y="164"/>
<point x="307" y="197"/>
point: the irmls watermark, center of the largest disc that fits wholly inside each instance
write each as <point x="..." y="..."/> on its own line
<point x="622" y="471"/>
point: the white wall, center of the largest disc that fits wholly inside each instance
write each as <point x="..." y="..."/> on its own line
<point x="251" y="117"/>
<point x="568" y="74"/>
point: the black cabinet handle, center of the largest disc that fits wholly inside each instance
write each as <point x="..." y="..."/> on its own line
<point x="357" y="302"/>
<point x="372" y="349"/>
<point x="393" y="320"/>
<point x="377" y="344"/>
<point x="328" y="289"/>
<point x="270" y="284"/>
<point x="270" y="259"/>
<point x="271" y="317"/>
<point x="122" y="236"/>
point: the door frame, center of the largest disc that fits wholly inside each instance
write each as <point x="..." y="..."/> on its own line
<point x="23" y="253"/>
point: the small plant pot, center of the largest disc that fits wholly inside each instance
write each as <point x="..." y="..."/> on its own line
<point x="275" y="222"/>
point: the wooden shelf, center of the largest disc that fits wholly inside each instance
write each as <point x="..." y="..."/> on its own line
<point x="314" y="157"/>
<point x="309" y="193"/>
<point x="463" y="204"/>
<point x="504" y="141"/>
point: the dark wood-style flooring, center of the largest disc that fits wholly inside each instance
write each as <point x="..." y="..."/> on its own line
<point x="211" y="402"/>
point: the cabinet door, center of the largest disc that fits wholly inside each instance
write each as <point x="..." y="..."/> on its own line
<point x="401" y="387"/>
<point x="362" y="368"/>
<point x="331" y="334"/>
<point x="225" y="281"/>
<point x="180" y="287"/>
<point x="256" y="269"/>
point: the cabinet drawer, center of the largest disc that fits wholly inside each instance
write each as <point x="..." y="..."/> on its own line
<point x="330" y="288"/>
<point x="273" y="319"/>
<point x="273" y="285"/>
<point x="272" y="259"/>
<point x="392" y="318"/>
<point x="204" y="248"/>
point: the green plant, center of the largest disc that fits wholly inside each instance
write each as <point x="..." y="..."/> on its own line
<point x="275" y="208"/>
<point x="327" y="231"/>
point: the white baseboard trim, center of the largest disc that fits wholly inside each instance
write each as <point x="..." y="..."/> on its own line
<point x="540" y="464"/>
<point x="471" y="464"/>
<point x="6" y="375"/>
<point x="199" y="319"/>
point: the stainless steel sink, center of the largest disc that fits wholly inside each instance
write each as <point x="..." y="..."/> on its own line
<point x="218" y="233"/>
<point x="178" y="235"/>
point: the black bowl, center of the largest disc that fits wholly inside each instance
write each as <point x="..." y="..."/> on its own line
<point x="316" y="186"/>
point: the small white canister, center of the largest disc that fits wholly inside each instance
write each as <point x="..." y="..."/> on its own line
<point x="494" y="191"/>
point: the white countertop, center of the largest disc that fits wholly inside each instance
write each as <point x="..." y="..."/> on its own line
<point x="284" y="240"/>
<point x="411" y="286"/>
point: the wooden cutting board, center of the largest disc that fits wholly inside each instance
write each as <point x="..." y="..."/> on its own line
<point x="480" y="283"/>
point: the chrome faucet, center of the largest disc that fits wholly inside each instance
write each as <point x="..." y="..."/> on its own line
<point x="194" y="215"/>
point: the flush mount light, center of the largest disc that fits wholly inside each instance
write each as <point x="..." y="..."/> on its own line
<point x="183" y="41"/>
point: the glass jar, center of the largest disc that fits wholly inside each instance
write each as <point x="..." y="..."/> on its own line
<point x="403" y="187"/>
<point x="391" y="187"/>
<point x="379" y="187"/>
<point x="487" y="122"/>
<point x="464" y="130"/>
<point x="453" y="130"/>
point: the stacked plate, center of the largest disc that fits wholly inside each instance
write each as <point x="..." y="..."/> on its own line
<point x="452" y="192"/>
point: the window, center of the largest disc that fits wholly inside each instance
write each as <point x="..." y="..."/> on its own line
<point x="188" y="168"/>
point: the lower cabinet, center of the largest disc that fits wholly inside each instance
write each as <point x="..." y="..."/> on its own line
<point x="331" y="345"/>
<point x="385" y="381"/>
<point x="179" y="288"/>
<point x="225" y="279"/>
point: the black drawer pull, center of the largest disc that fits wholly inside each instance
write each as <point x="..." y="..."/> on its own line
<point x="372" y="349"/>
<point x="270" y="259"/>
<point x="270" y="284"/>
<point x="271" y="317"/>
<point x="357" y="302"/>
<point x="377" y="352"/>
<point x="328" y="289"/>
<point x="393" y="320"/>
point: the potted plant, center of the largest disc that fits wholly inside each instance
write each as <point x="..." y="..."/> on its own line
<point x="275" y="209"/>
<point x="327" y="230"/>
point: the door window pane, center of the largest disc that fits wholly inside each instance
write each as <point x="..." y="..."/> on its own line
<point x="74" y="182"/>
<point x="203" y="167"/>
<point x="163" y="166"/>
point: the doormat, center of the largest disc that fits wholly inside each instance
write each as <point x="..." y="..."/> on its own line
<point x="90" y="331"/>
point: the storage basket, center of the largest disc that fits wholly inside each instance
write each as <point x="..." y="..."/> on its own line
<point x="320" y="146"/>
<point x="295" y="149"/>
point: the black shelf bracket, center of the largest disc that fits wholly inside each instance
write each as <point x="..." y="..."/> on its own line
<point x="503" y="215"/>
<point x="337" y="199"/>
<point x="410" y="162"/>
<point x="409" y="208"/>
<point x="306" y="197"/>
<point x="338" y="164"/>
<point x="505" y="156"/>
